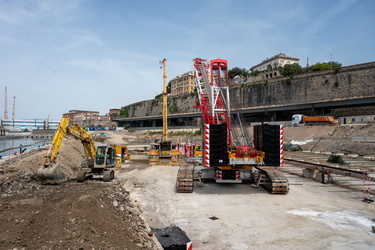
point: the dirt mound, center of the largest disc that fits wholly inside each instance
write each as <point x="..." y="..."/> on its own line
<point x="307" y="132"/>
<point x="355" y="130"/>
<point x="91" y="215"/>
<point x="25" y="166"/>
<point x="349" y="139"/>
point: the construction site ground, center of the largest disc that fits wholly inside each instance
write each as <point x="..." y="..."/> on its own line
<point x="98" y="215"/>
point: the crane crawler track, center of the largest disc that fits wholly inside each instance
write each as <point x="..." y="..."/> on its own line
<point x="185" y="180"/>
<point x="273" y="180"/>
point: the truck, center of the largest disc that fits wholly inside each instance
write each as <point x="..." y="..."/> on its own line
<point x="302" y="120"/>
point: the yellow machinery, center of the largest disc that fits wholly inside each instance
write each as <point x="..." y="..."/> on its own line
<point x="154" y="154"/>
<point x="165" y="146"/>
<point x="197" y="150"/>
<point x="164" y="150"/>
<point x="98" y="161"/>
<point x="162" y="153"/>
<point x="122" y="152"/>
<point x="165" y="102"/>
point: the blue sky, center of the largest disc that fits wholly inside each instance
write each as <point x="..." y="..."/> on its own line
<point x="58" y="55"/>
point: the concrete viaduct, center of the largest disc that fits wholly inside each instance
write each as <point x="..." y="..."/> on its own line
<point x="342" y="92"/>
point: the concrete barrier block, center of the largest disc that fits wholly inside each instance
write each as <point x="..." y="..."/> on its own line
<point x="308" y="173"/>
<point x="129" y="185"/>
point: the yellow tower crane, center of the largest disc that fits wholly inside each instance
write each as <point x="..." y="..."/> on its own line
<point x="165" y="102"/>
<point x="164" y="148"/>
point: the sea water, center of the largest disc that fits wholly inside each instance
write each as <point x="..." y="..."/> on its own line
<point x="26" y="143"/>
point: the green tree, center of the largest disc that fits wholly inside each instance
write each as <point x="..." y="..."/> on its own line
<point x="169" y="87"/>
<point x="254" y="73"/>
<point x="291" y="69"/>
<point x="124" y="112"/>
<point x="236" y="71"/>
<point x="114" y="115"/>
<point x="320" y="66"/>
<point x="335" y="65"/>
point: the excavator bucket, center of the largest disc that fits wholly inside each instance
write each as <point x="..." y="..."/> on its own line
<point x="50" y="172"/>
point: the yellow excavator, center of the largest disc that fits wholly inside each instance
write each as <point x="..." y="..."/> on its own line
<point x="98" y="161"/>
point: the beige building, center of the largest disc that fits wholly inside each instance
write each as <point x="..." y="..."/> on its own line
<point x="182" y="84"/>
<point x="114" y="111"/>
<point x="274" y="62"/>
<point x="89" y="118"/>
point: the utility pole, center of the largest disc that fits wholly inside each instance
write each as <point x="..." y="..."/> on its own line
<point x="14" y="108"/>
<point x="331" y="60"/>
<point x="165" y="101"/>
<point x="6" y="105"/>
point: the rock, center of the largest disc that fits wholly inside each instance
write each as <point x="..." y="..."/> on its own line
<point x="115" y="203"/>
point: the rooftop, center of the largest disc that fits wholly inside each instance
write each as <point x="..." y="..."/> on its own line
<point x="281" y="55"/>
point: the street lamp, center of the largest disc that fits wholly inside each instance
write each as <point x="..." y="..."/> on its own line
<point x="331" y="60"/>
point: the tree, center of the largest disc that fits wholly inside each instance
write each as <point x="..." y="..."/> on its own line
<point x="320" y="66"/>
<point x="169" y="87"/>
<point x="254" y="73"/>
<point x="291" y="69"/>
<point x="236" y="71"/>
<point x="335" y="65"/>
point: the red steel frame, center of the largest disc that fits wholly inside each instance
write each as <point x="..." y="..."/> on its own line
<point x="214" y="106"/>
<point x="211" y="82"/>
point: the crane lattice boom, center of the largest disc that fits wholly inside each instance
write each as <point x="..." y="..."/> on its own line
<point x="211" y="81"/>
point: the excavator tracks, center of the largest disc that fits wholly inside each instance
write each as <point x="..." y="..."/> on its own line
<point x="185" y="180"/>
<point x="273" y="180"/>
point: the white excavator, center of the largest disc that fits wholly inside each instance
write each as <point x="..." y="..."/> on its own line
<point x="98" y="161"/>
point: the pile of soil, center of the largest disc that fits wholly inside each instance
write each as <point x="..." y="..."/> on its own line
<point x="349" y="139"/>
<point x="73" y="216"/>
<point x="25" y="166"/>
<point x="307" y="132"/>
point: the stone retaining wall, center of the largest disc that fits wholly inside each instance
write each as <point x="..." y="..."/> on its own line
<point x="351" y="82"/>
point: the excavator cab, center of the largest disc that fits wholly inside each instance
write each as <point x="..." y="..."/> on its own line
<point x="105" y="159"/>
<point x="105" y="156"/>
